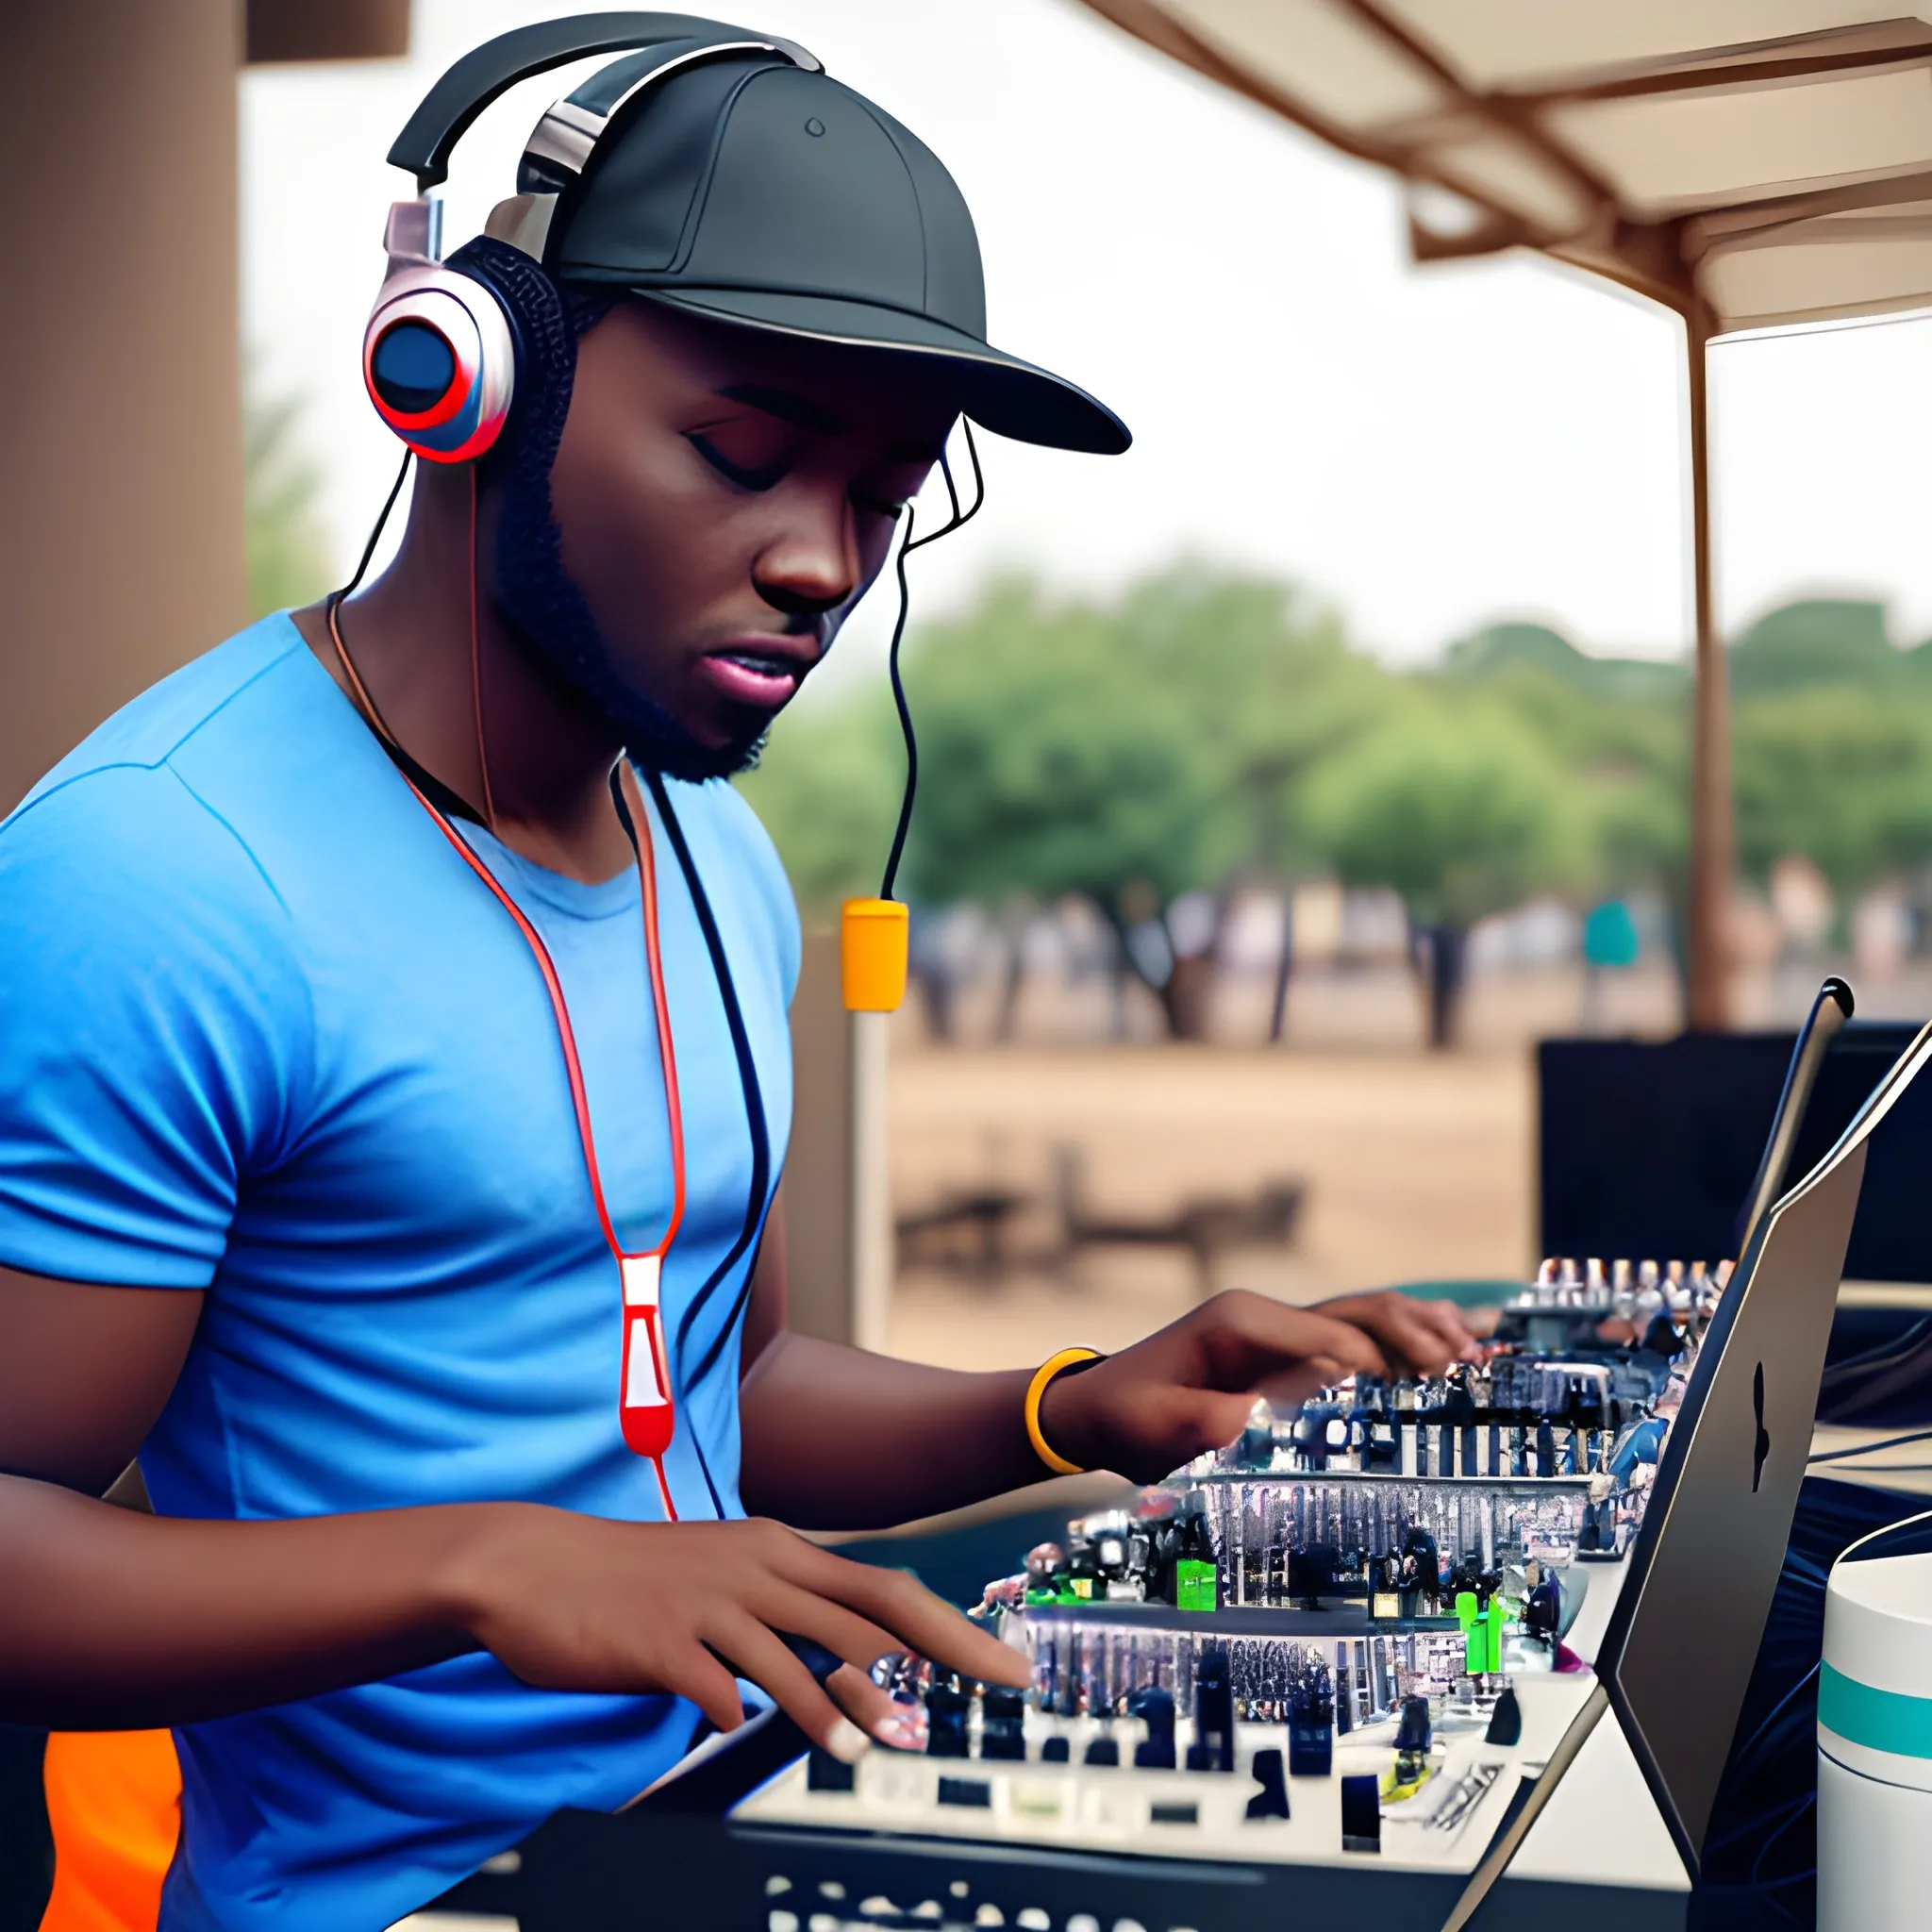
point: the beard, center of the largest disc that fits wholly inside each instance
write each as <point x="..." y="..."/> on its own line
<point x="551" y="618"/>
<point x="536" y="597"/>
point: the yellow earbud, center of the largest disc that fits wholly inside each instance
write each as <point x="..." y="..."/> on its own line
<point x="871" y="955"/>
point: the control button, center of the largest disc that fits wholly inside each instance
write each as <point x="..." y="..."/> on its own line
<point x="1036" y="1797"/>
<point x="1361" y="1814"/>
<point x="1003" y="1712"/>
<point x="1271" y="1801"/>
<point x="946" y="1706"/>
<point x="1154" y="1707"/>
<point x="1176" y="1814"/>
<point x="974" y="1792"/>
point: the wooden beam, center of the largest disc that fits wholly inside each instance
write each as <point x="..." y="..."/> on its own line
<point x="1708" y="229"/>
<point x="1497" y="109"/>
<point x="1712" y="835"/>
<point x="1756" y="66"/>
<point x="327" y="30"/>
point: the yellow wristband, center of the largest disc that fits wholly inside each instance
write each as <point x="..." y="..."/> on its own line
<point x="1036" y="1392"/>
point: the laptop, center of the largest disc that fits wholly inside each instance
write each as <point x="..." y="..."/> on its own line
<point x="1678" y="1654"/>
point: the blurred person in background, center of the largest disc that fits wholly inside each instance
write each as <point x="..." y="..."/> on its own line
<point x="394" y="1077"/>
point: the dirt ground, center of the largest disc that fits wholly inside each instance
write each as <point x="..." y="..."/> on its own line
<point x="1415" y="1167"/>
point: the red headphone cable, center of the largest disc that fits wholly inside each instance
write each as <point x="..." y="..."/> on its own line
<point x="476" y="671"/>
<point x="645" y="1409"/>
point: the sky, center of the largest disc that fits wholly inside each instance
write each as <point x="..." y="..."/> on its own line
<point x="1428" y="450"/>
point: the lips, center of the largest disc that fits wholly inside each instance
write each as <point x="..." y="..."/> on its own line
<point x="760" y="672"/>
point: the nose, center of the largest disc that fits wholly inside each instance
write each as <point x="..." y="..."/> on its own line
<point x="810" y="567"/>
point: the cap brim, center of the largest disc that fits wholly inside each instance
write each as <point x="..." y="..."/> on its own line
<point x="999" y="391"/>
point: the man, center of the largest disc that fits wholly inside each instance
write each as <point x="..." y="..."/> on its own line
<point x="347" y="1040"/>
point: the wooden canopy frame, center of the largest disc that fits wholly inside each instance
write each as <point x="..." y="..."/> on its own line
<point x="1679" y="248"/>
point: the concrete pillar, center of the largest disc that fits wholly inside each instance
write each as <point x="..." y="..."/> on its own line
<point x="121" y="458"/>
<point x="837" y="1196"/>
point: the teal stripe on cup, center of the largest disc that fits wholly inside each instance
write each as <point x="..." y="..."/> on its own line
<point x="1878" y="1719"/>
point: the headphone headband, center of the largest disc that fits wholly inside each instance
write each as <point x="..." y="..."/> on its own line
<point x="448" y="109"/>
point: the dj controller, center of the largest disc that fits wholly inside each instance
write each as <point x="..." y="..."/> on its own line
<point x="1328" y="1670"/>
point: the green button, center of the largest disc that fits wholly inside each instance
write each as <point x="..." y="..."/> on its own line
<point x="1878" y="1719"/>
<point x="1195" y="1586"/>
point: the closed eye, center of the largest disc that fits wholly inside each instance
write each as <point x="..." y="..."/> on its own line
<point x="742" y="476"/>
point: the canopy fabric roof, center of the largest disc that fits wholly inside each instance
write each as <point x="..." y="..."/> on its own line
<point x="1748" y="162"/>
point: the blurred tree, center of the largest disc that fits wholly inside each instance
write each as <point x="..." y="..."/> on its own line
<point x="1820" y="641"/>
<point x="1130" y="753"/>
<point x="1058" y="754"/>
<point x="1133" y="753"/>
<point x="1839" y="774"/>
<point x="1202" y="728"/>
<point x="1456" y="806"/>
<point x="288" y="559"/>
<point x="828" y="789"/>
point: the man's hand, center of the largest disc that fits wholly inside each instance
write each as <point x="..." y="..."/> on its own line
<point x="1148" y="1409"/>
<point x="571" y="1602"/>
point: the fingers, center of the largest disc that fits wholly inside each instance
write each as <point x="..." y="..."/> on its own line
<point x="709" y="1685"/>
<point x="810" y="1613"/>
<point x="1426" y="1337"/>
<point x="877" y="1711"/>
<point x="758" y="1654"/>
<point x="1213" y="1422"/>
<point x="917" y="1620"/>
<point x="1443" y="1320"/>
<point x="1250" y="1339"/>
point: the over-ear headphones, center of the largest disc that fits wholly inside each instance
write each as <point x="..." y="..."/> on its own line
<point x="442" y="349"/>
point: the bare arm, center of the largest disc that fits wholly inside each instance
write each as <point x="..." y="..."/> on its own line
<point x="814" y="1416"/>
<point x="112" y="1620"/>
<point x="837" y="1439"/>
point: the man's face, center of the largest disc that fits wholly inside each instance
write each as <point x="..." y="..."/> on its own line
<point x="725" y="497"/>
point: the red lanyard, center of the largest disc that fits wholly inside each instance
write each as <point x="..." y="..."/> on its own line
<point x="646" y="1410"/>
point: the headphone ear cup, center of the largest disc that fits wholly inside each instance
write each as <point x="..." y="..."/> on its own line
<point x="439" y="363"/>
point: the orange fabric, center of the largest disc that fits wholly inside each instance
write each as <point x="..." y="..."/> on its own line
<point x="114" y="1802"/>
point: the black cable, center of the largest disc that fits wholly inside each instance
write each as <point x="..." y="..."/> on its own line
<point x="1884" y="1354"/>
<point x="755" y="1121"/>
<point x="389" y="503"/>
<point x="1773" y="1715"/>
<point x="1870" y="1448"/>
<point x="727" y="991"/>
<point x="905" y="550"/>
<point x="1795" y="1808"/>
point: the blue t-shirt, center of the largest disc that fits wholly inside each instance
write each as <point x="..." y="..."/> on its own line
<point x="263" y="1034"/>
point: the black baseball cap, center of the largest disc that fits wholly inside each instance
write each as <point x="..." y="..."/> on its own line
<point x="749" y="190"/>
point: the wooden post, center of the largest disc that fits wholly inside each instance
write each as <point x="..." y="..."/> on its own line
<point x="1712" y="837"/>
<point x="837" y="1204"/>
<point x="121" y="462"/>
<point x="121" y="487"/>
